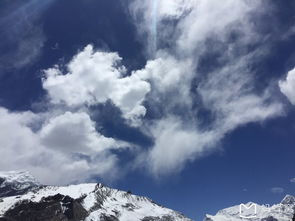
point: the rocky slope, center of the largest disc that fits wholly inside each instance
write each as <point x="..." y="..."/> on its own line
<point x="25" y="200"/>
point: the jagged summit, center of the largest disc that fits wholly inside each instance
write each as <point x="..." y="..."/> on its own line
<point x="89" y="202"/>
<point x="288" y="199"/>
<point x="22" y="198"/>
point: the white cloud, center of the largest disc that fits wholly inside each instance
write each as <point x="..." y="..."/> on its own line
<point x="292" y="180"/>
<point x="277" y="190"/>
<point x="28" y="47"/>
<point x="227" y="92"/>
<point x="287" y="86"/>
<point x="196" y="21"/>
<point x="230" y="94"/>
<point x="168" y="75"/>
<point x="67" y="149"/>
<point x="209" y="18"/>
<point x="74" y="133"/>
<point x="175" y="144"/>
<point x="62" y="145"/>
<point x="95" y="77"/>
<point x="173" y="9"/>
<point x="166" y="72"/>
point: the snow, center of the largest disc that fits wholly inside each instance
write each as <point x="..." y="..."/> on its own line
<point x="19" y="179"/>
<point x="74" y="191"/>
<point x="114" y="202"/>
<point x="283" y="211"/>
<point x="98" y="200"/>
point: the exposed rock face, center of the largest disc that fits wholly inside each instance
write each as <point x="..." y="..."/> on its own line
<point x="270" y="218"/>
<point x="164" y="218"/>
<point x="52" y="208"/>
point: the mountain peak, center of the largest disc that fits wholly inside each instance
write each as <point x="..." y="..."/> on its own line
<point x="90" y="201"/>
<point x="288" y="199"/>
<point x="16" y="182"/>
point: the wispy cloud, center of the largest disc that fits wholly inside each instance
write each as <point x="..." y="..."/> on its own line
<point x="22" y="33"/>
<point x="277" y="190"/>
<point x="226" y="92"/>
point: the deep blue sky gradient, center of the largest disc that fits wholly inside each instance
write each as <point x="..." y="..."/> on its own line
<point x="249" y="161"/>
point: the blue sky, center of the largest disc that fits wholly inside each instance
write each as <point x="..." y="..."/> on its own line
<point x="190" y="103"/>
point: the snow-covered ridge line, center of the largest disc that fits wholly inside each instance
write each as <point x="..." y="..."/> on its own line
<point x="283" y="211"/>
<point x="16" y="183"/>
<point x="94" y="201"/>
<point x="17" y="177"/>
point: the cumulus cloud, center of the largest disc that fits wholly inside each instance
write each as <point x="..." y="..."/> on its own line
<point x="67" y="149"/>
<point x="74" y="133"/>
<point x="95" y="77"/>
<point x="287" y="86"/>
<point x="62" y="145"/>
<point x="292" y="180"/>
<point x="166" y="72"/>
<point x="169" y="78"/>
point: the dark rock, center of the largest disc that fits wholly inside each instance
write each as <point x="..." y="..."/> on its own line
<point x="104" y="217"/>
<point x="156" y="218"/>
<point x="52" y="208"/>
<point x="288" y="200"/>
<point x="151" y="218"/>
<point x="129" y="206"/>
<point x="16" y="183"/>
<point x="270" y="218"/>
<point x="10" y="190"/>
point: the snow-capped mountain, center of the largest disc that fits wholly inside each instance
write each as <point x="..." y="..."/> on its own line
<point x="16" y="182"/>
<point x="22" y="198"/>
<point x="89" y="202"/>
<point x="284" y="211"/>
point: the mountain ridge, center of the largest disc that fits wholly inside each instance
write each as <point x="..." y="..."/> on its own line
<point x="283" y="211"/>
<point x="23" y="198"/>
<point x="16" y="183"/>
<point x="89" y="202"/>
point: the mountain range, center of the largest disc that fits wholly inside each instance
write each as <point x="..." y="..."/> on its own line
<point x="23" y="198"/>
